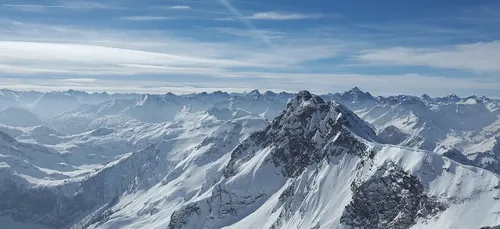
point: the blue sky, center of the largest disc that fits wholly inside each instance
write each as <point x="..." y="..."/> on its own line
<point x="183" y="46"/>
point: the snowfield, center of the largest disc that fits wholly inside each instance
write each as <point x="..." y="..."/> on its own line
<point x="251" y="160"/>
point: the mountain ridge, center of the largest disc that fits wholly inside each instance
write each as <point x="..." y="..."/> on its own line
<point x="253" y="160"/>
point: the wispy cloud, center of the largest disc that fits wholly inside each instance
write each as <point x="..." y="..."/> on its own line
<point x="145" y="18"/>
<point x="32" y="57"/>
<point x="481" y="57"/>
<point x="180" y="7"/>
<point x="244" y="20"/>
<point x="72" y="5"/>
<point x="282" y="16"/>
<point x="225" y="19"/>
<point x="79" y="80"/>
<point x="40" y="49"/>
<point x="318" y="83"/>
<point x="487" y="14"/>
<point x="26" y="8"/>
<point x="184" y="58"/>
<point x="270" y="34"/>
<point x="89" y="57"/>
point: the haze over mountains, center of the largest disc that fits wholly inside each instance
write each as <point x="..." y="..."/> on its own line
<point x="248" y="160"/>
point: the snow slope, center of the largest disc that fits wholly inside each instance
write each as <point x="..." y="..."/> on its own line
<point x="250" y="160"/>
<point x="466" y="125"/>
<point x="288" y="177"/>
<point x="18" y="117"/>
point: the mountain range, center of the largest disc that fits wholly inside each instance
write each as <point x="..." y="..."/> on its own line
<point x="80" y="160"/>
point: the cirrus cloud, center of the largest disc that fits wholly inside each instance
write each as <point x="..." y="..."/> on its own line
<point x="145" y="18"/>
<point x="283" y="16"/>
<point x="480" y="57"/>
<point x="180" y="7"/>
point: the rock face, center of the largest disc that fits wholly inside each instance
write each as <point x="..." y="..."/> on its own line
<point x="308" y="131"/>
<point x="42" y="206"/>
<point x="390" y="199"/>
<point x="392" y="135"/>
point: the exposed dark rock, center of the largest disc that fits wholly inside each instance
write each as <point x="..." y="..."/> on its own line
<point x="392" y="198"/>
<point x="457" y="156"/>
<point x="493" y="227"/>
<point x="392" y="135"/>
<point x="39" y="205"/>
<point x="222" y="204"/>
<point x="308" y="131"/>
<point x="181" y="217"/>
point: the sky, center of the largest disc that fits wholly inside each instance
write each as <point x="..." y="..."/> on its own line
<point x="185" y="46"/>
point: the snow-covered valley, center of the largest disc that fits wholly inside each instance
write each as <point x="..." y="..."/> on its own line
<point x="248" y="160"/>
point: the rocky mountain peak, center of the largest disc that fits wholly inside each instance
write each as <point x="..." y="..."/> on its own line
<point x="308" y="131"/>
<point x="170" y="95"/>
<point x="356" y="95"/>
<point x="220" y="93"/>
<point x="150" y="99"/>
<point x="270" y="93"/>
<point x="254" y="93"/>
<point x="309" y="109"/>
<point x="453" y="98"/>
<point x="355" y="90"/>
<point x="426" y="98"/>
<point x="306" y="96"/>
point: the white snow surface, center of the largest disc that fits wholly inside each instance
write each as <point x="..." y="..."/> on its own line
<point x="146" y="161"/>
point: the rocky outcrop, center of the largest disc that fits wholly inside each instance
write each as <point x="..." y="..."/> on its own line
<point x="308" y="131"/>
<point x="392" y="198"/>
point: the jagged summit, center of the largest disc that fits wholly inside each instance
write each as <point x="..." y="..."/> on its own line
<point x="309" y="130"/>
<point x="305" y="104"/>
<point x="403" y="100"/>
<point x="149" y="98"/>
<point x="353" y="98"/>
<point x="270" y="93"/>
<point x="219" y="92"/>
<point x="426" y="98"/>
<point x="305" y="98"/>
<point x="170" y="94"/>
<point x="453" y="98"/>
<point x="254" y="93"/>
<point x="356" y="92"/>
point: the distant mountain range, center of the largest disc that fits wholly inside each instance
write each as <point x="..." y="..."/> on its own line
<point x="248" y="160"/>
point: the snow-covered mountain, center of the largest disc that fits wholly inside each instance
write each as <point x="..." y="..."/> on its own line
<point x="248" y="160"/>
<point x="443" y="124"/>
<point x="18" y="117"/>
